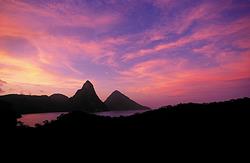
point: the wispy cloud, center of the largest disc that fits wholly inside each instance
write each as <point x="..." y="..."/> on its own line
<point x="211" y="33"/>
<point x="1" y="84"/>
<point x="171" y="78"/>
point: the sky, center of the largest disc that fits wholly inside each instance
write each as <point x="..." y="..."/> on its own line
<point x="157" y="52"/>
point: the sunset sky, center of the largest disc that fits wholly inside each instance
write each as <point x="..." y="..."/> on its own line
<point x="157" y="52"/>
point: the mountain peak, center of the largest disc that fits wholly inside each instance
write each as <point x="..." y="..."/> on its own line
<point x="119" y="101"/>
<point x="116" y="92"/>
<point x="87" y="85"/>
<point x="87" y="100"/>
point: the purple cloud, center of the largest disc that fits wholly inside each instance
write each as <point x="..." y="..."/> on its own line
<point x="17" y="46"/>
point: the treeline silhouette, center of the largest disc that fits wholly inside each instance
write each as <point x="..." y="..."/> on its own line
<point x="217" y="115"/>
<point x="8" y="117"/>
<point x="231" y="114"/>
<point x="28" y="104"/>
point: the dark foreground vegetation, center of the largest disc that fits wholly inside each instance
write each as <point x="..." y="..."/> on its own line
<point x="228" y="114"/>
<point x="8" y="117"/>
<point x="233" y="114"/>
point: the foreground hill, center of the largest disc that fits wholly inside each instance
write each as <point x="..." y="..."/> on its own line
<point x="8" y="117"/>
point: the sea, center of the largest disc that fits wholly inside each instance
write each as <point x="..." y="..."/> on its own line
<point x="39" y="118"/>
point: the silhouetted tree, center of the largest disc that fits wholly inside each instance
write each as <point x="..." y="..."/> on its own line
<point x="8" y="117"/>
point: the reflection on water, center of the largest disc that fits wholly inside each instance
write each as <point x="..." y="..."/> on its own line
<point x="32" y="119"/>
<point x="119" y="113"/>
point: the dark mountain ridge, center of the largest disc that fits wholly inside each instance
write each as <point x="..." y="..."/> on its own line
<point x="25" y="104"/>
<point x="59" y="97"/>
<point x="118" y="102"/>
<point x="85" y="99"/>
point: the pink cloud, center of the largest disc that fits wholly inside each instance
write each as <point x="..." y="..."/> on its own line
<point x="173" y="78"/>
<point x="207" y="50"/>
<point x="214" y="32"/>
<point x="198" y="13"/>
<point x="243" y="43"/>
<point x="201" y="13"/>
<point x="158" y="48"/>
<point x="32" y="76"/>
<point x="59" y="13"/>
<point x="164" y="4"/>
<point x="2" y="82"/>
<point x="143" y="70"/>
